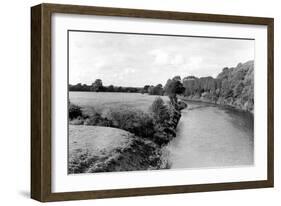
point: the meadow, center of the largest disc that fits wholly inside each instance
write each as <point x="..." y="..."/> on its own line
<point x="110" y="100"/>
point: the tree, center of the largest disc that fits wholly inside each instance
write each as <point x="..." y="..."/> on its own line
<point x="174" y="87"/>
<point x="238" y="89"/>
<point x="145" y="89"/>
<point x="225" y="88"/>
<point x="177" y="78"/>
<point x="110" y="88"/>
<point x="156" y="90"/>
<point x="97" y="86"/>
<point x="159" y="111"/>
<point x="150" y="90"/>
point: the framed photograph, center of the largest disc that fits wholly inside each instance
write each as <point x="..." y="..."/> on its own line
<point x="130" y="102"/>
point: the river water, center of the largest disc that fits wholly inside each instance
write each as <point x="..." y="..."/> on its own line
<point x="212" y="136"/>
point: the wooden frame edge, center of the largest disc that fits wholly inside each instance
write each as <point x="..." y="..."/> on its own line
<point x="270" y="102"/>
<point x="157" y="14"/>
<point x="36" y="58"/>
<point x="41" y="102"/>
<point x="101" y="194"/>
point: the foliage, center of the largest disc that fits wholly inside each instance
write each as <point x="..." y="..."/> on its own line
<point x="174" y="87"/>
<point x="159" y="111"/>
<point x="234" y="86"/>
<point x="110" y="88"/>
<point x="145" y="89"/>
<point x="238" y="89"/>
<point x="134" y="121"/>
<point x="77" y="121"/>
<point x="74" y="111"/>
<point x="97" y="86"/>
<point x="156" y="90"/>
<point x="157" y="125"/>
<point x="96" y="119"/>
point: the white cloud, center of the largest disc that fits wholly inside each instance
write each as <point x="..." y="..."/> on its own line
<point x="129" y="70"/>
<point x="136" y="60"/>
<point x="177" y="59"/>
<point x="195" y="62"/>
<point x="160" y="57"/>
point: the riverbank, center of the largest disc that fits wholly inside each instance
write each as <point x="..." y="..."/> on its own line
<point x="220" y="101"/>
<point x="124" y="140"/>
<point x="232" y="87"/>
<point x="105" y="149"/>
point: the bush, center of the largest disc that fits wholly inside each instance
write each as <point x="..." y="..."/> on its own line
<point x="74" y="111"/>
<point x="94" y="119"/>
<point x="159" y="111"/>
<point x="78" y="121"/>
<point x="162" y="136"/>
<point x="97" y="120"/>
<point x="134" y="121"/>
<point x="181" y="105"/>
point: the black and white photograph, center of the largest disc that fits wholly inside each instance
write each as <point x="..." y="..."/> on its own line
<point x="139" y="102"/>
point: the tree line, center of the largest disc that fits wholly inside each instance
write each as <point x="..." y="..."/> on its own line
<point x="231" y="83"/>
<point x="232" y="86"/>
<point x="98" y="86"/>
<point x="158" y="89"/>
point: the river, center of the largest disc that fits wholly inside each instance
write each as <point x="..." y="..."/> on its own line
<point x="212" y="136"/>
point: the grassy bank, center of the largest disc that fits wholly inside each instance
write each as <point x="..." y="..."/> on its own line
<point x="105" y="149"/>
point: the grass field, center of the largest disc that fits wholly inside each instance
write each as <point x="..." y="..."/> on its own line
<point x="96" y="139"/>
<point x="98" y="148"/>
<point x="105" y="100"/>
<point x="90" y="144"/>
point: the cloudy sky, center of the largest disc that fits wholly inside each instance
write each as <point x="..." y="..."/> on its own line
<point x="138" y="60"/>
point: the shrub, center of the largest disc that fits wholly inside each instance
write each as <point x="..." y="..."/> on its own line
<point x="74" y="111"/>
<point x="159" y="111"/>
<point x="94" y="119"/>
<point x="97" y="120"/>
<point x="134" y="121"/>
<point x="181" y="105"/>
<point x="78" y="121"/>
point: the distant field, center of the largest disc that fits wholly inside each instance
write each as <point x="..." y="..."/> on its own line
<point x="106" y="100"/>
